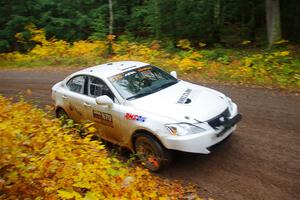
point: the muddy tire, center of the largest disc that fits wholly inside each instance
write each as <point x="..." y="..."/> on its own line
<point x="151" y="152"/>
<point x="61" y="113"/>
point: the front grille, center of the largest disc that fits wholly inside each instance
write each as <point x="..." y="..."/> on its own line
<point x="215" y="122"/>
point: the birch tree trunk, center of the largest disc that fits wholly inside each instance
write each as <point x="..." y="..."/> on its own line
<point x="110" y="27"/>
<point x="111" y="17"/>
<point x="273" y="21"/>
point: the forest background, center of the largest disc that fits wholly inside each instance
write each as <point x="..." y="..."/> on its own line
<point x="246" y="42"/>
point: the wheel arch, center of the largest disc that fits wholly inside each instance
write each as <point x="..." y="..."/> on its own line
<point x="144" y="132"/>
<point x="57" y="109"/>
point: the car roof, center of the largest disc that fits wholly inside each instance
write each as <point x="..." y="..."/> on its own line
<point x="109" y="69"/>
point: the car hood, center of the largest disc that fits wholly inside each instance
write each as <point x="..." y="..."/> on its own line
<point x="183" y="102"/>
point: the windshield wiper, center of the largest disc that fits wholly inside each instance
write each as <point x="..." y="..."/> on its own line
<point x="152" y="91"/>
<point x="139" y="95"/>
<point x="166" y="85"/>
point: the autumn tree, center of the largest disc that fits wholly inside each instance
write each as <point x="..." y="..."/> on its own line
<point x="210" y="21"/>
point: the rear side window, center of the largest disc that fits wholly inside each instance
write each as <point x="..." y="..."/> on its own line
<point x="76" y="84"/>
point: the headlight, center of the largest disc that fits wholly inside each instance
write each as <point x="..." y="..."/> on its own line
<point x="184" y="129"/>
<point x="229" y="103"/>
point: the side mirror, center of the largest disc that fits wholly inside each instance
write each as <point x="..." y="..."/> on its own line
<point x="104" y="100"/>
<point x="174" y="74"/>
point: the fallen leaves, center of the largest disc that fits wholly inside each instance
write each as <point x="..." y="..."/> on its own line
<point x="43" y="160"/>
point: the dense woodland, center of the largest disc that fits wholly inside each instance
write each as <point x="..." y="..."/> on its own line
<point x="222" y="22"/>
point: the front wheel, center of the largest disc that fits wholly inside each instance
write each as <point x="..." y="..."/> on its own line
<point x="151" y="153"/>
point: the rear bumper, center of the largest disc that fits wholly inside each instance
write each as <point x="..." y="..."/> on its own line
<point x="200" y="143"/>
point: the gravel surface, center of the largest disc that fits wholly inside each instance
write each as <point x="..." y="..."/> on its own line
<point x="261" y="160"/>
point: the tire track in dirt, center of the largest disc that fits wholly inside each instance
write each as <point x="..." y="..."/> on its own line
<point x="261" y="160"/>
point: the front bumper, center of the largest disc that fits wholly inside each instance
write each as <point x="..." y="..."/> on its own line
<point x="199" y="143"/>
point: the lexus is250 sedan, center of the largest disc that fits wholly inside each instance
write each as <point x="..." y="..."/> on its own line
<point x="141" y="107"/>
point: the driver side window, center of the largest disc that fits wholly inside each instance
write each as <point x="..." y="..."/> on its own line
<point x="96" y="88"/>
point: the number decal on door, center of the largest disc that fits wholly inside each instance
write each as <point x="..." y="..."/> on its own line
<point x="103" y="118"/>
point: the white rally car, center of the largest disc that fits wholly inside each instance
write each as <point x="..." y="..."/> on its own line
<point x="141" y="107"/>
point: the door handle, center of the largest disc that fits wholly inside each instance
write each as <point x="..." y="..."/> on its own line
<point x="65" y="97"/>
<point x="86" y="104"/>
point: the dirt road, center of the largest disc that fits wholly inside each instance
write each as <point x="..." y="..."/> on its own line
<point x="261" y="160"/>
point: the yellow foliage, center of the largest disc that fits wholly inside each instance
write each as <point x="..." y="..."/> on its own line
<point x="86" y="49"/>
<point x="201" y="44"/>
<point x="281" y="42"/>
<point x="187" y="64"/>
<point x="38" y="35"/>
<point x="245" y="42"/>
<point x="40" y="159"/>
<point x="184" y="44"/>
<point x="282" y="53"/>
<point x="155" y="45"/>
<point x="55" y="50"/>
<point x="274" y="68"/>
<point x="110" y="38"/>
<point x="196" y="55"/>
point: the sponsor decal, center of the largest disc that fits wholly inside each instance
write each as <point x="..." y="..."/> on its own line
<point x="103" y="118"/>
<point x="125" y="74"/>
<point x="222" y="119"/>
<point x="184" y="96"/>
<point x="130" y="116"/>
<point x="144" y="69"/>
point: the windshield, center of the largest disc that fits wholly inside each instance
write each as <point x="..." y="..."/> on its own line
<point x="141" y="81"/>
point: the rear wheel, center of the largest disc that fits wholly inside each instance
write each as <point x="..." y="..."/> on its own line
<point x="61" y="114"/>
<point x="151" y="153"/>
